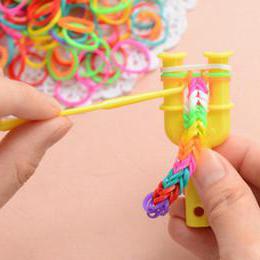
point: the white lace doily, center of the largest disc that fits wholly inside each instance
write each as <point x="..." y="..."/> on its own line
<point x="175" y="12"/>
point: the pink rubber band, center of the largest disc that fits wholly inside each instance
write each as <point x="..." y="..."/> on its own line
<point x="13" y="10"/>
<point x="67" y="103"/>
<point x="137" y="45"/>
<point x="107" y="66"/>
<point x="11" y="32"/>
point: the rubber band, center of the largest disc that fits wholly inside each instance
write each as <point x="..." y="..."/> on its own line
<point x="109" y="10"/>
<point x="116" y="20"/>
<point x="197" y="67"/>
<point x="33" y="64"/>
<point x="62" y="75"/>
<point x="69" y="103"/>
<point x="45" y="28"/>
<point x="137" y="45"/>
<point x="90" y="70"/>
<point x="73" y="43"/>
<point x="42" y="12"/>
<point x="3" y="56"/>
<point x="85" y="26"/>
<point x="13" y="10"/>
<point x="160" y="41"/>
<point x="59" y="57"/>
<point x="92" y="39"/>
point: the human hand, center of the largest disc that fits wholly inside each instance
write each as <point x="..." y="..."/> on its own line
<point x="22" y="148"/>
<point x="230" y="192"/>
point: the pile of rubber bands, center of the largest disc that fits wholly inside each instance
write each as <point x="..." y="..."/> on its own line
<point x="89" y="41"/>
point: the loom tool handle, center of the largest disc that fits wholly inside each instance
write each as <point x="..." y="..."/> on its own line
<point x="8" y="124"/>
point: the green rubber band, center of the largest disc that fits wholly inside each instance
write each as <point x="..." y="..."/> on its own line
<point x="89" y="71"/>
<point x="98" y="9"/>
<point x="178" y="75"/>
<point x="111" y="80"/>
<point x="181" y="75"/>
<point x="73" y="71"/>
<point x="86" y="47"/>
<point x="222" y="74"/>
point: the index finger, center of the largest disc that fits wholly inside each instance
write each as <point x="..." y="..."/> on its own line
<point x="244" y="154"/>
<point x="23" y="101"/>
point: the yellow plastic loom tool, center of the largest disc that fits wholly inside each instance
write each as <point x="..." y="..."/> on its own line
<point x="218" y="116"/>
<point x="10" y="123"/>
<point x="218" y="127"/>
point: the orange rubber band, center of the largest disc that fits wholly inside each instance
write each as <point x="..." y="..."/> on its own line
<point x="59" y="72"/>
<point x="59" y="58"/>
<point x="157" y="28"/>
<point x="85" y="26"/>
<point x="3" y="56"/>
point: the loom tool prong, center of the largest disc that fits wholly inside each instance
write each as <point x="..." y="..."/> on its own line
<point x="8" y="124"/>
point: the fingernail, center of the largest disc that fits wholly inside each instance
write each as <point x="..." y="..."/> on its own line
<point x="210" y="169"/>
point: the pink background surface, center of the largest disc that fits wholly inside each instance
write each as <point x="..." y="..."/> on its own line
<point x="85" y="200"/>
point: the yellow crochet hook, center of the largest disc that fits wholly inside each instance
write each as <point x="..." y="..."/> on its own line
<point x="10" y="123"/>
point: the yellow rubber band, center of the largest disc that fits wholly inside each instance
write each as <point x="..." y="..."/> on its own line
<point x="43" y="30"/>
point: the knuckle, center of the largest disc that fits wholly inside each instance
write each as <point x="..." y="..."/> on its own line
<point x="25" y="169"/>
<point x="222" y="197"/>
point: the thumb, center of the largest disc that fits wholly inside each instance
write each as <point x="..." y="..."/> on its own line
<point x="230" y="205"/>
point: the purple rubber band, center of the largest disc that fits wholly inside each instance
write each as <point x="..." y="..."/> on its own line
<point x="154" y="211"/>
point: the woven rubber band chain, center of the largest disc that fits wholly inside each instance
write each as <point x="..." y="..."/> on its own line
<point x="78" y="61"/>
<point x="158" y="202"/>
